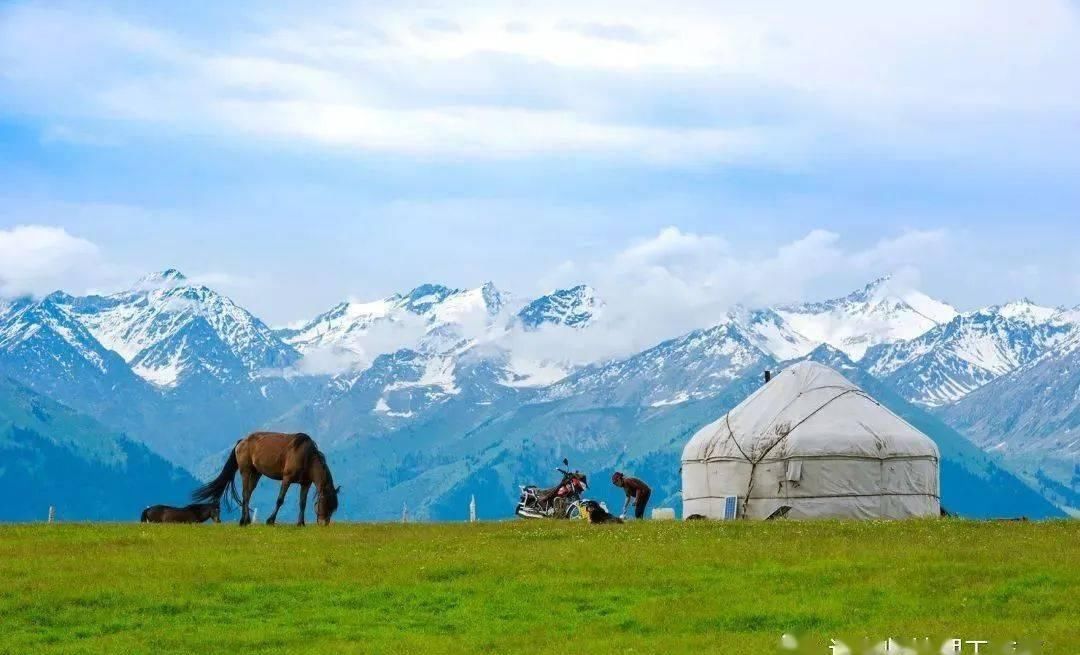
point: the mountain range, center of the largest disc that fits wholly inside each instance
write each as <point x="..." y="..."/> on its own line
<point x="432" y="395"/>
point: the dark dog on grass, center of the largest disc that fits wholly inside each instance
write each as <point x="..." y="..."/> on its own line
<point x="597" y="514"/>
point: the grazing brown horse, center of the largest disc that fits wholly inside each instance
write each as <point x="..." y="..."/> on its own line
<point x="198" y="513"/>
<point x="291" y="458"/>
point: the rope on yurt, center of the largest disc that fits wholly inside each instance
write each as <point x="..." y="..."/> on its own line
<point x="754" y="463"/>
<point x="731" y="435"/>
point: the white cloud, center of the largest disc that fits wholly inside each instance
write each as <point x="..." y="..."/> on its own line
<point x="893" y="253"/>
<point x="68" y="135"/>
<point x="222" y="280"/>
<point x="759" y="81"/>
<point x="678" y="281"/>
<point x="39" y="259"/>
<point x="356" y="352"/>
<point x="673" y="248"/>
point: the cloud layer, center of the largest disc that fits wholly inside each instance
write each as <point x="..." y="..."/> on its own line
<point x="376" y="145"/>
<point x="676" y="281"/>
<point x="38" y="259"/>
<point x="703" y="81"/>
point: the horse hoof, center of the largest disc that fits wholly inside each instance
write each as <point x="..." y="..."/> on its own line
<point x="270" y="521"/>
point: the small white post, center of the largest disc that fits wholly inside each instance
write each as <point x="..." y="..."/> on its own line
<point x="254" y="514"/>
<point x="404" y="512"/>
<point x="52" y="514"/>
<point x="472" y="509"/>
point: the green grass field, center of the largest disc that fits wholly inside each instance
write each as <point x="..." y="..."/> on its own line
<point x="532" y="587"/>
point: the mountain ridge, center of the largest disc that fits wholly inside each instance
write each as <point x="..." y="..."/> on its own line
<point x="57" y="457"/>
<point x="436" y="363"/>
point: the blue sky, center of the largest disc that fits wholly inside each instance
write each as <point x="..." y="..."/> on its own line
<point x="295" y="158"/>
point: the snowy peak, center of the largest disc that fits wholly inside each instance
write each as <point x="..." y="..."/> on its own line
<point x="933" y="310"/>
<point x="46" y="333"/>
<point x="883" y="293"/>
<point x="872" y="292"/>
<point x="168" y="276"/>
<point x="431" y="318"/>
<point x="575" y="307"/>
<point x="465" y="306"/>
<point x="494" y="299"/>
<point x="425" y="297"/>
<point x="436" y="300"/>
<point x="881" y="312"/>
<point x="161" y="279"/>
<point x="831" y="357"/>
<point x="701" y="364"/>
<point x="877" y="289"/>
<point x="951" y="360"/>
<point x="143" y="322"/>
<point x="1030" y="417"/>
<point x="1027" y="311"/>
<point x="192" y="350"/>
<point x="528" y="357"/>
<point x="771" y="333"/>
<point x="26" y="320"/>
<point x="343" y="331"/>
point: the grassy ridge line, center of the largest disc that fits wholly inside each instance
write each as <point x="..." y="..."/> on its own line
<point x="532" y="587"/>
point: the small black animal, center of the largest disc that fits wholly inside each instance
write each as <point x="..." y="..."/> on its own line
<point x="597" y="514"/>
<point x="197" y="513"/>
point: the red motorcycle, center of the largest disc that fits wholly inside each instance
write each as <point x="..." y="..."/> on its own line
<point x="563" y="501"/>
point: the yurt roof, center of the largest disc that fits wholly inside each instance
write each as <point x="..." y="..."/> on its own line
<point x="808" y="410"/>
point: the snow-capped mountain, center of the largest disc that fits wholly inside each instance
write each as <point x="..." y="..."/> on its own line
<point x="770" y="332"/>
<point x="1036" y="408"/>
<point x="437" y="464"/>
<point x="1031" y="416"/>
<point x="951" y="360"/>
<point x="698" y="365"/>
<point x="398" y="359"/>
<point x="881" y="312"/>
<point x="420" y="389"/>
<point x="345" y="327"/>
<point x="418" y="349"/>
<point x="543" y="342"/>
<point x="575" y="307"/>
<point x="169" y="330"/>
<point x="431" y="317"/>
<point x="46" y="347"/>
<point x="48" y="328"/>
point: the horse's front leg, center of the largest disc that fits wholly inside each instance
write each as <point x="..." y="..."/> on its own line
<point x="304" y="487"/>
<point x="285" y="482"/>
<point x="251" y="478"/>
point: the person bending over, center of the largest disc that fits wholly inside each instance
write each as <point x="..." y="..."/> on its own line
<point x="636" y="490"/>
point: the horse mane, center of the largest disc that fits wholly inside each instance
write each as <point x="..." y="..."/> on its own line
<point x="322" y="460"/>
<point x="329" y="482"/>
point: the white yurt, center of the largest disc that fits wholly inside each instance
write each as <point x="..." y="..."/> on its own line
<point x="810" y="444"/>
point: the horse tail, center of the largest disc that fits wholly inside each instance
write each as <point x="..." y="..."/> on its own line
<point x="216" y="489"/>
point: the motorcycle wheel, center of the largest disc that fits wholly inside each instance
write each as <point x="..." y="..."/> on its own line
<point x="574" y="511"/>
